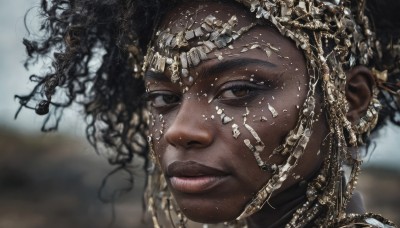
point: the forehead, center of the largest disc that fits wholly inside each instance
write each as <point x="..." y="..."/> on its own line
<point x="188" y="14"/>
<point x="260" y="41"/>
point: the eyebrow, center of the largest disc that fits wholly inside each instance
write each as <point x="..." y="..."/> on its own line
<point x="235" y="63"/>
<point x="156" y="76"/>
<point x="215" y="69"/>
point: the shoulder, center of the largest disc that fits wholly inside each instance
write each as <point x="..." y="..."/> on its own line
<point x="368" y="220"/>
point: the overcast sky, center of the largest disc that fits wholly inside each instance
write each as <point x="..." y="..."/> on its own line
<point x="14" y="79"/>
<point x="13" y="76"/>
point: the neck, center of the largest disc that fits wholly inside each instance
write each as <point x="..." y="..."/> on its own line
<point x="286" y="205"/>
<point x="280" y="210"/>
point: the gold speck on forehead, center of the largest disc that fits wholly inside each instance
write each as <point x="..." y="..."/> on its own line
<point x="212" y="33"/>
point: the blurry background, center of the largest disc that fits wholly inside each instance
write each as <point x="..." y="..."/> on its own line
<point x="53" y="179"/>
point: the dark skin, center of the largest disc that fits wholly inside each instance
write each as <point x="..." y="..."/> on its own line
<point x="188" y="132"/>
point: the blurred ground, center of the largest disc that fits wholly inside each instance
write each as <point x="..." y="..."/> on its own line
<point x="381" y="190"/>
<point x="49" y="180"/>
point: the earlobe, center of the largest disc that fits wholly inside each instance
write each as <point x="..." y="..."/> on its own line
<point x="359" y="92"/>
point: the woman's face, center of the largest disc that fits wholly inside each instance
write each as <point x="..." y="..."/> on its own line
<point x="198" y="125"/>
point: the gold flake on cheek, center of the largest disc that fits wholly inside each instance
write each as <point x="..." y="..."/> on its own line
<point x="257" y="149"/>
<point x="152" y="155"/>
<point x="255" y="135"/>
<point x="158" y="132"/>
<point x="224" y="118"/>
<point x="245" y="115"/>
<point x="272" y="110"/>
<point x="235" y="131"/>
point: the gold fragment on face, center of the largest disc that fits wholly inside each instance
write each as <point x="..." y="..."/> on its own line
<point x="212" y="34"/>
<point x="224" y="118"/>
<point x="235" y="131"/>
<point x="272" y="110"/>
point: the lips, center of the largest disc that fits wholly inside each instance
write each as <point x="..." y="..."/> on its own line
<point x="193" y="177"/>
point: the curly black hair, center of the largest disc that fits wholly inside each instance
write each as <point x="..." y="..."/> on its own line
<point x="76" y="32"/>
<point x="80" y="32"/>
<point x="385" y="18"/>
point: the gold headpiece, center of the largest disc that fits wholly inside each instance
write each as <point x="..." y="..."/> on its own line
<point x="334" y="36"/>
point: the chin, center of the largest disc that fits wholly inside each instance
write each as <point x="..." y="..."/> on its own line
<point x="207" y="211"/>
<point x="208" y="218"/>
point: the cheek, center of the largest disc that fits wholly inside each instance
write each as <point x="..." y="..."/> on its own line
<point x="270" y="121"/>
<point x="157" y="128"/>
<point x="251" y="128"/>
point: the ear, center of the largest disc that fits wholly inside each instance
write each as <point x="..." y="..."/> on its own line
<point x="360" y="82"/>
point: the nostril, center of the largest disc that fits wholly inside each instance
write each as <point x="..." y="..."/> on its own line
<point x="173" y="144"/>
<point x="192" y="143"/>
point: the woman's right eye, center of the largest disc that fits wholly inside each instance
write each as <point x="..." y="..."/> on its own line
<point x="163" y="99"/>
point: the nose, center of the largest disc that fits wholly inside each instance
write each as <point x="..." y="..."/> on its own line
<point x="189" y="128"/>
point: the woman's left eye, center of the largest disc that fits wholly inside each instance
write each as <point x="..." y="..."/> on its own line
<point x="236" y="92"/>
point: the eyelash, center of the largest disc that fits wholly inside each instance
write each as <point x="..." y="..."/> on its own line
<point x="252" y="91"/>
<point x="167" y="99"/>
<point x="153" y="98"/>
